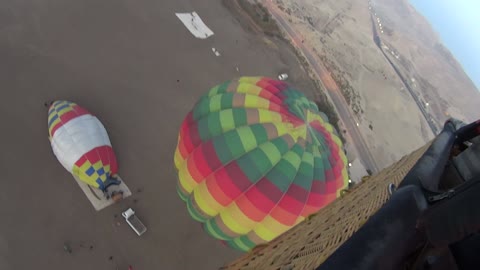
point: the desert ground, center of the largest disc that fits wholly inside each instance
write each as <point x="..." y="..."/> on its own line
<point x="433" y="70"/>
<point x="137" y="68"/>
<point x="341" y="34"/>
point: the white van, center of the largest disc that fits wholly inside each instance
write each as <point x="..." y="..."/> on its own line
<point x="134" y="222"/>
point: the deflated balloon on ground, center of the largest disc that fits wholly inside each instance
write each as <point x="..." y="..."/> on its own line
<point x="81" y="144"/>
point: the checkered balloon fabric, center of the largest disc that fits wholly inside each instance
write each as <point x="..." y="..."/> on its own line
<point x="255" y="157"/>
<point x="81" y="144"/>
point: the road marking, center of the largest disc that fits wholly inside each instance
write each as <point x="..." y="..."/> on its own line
<point x="195" y="25"/>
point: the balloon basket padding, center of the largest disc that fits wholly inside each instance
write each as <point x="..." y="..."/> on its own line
<point x="96" y="197"/>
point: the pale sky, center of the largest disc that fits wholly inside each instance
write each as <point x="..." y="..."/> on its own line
<point x="458" y="23"/>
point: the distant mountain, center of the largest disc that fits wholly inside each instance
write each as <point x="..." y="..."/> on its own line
<point x="440" y="77"/>
<point x="342" y="31"/>
<point x="395" y="116"/>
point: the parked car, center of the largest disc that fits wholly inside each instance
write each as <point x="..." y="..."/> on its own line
<point x="283" y="76"/>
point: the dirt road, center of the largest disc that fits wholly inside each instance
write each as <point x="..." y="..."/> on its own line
<point x="344" y="112"/>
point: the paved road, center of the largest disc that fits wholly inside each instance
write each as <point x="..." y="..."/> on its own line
<point x="378" y="41"/>
<point x="344" y="112"/>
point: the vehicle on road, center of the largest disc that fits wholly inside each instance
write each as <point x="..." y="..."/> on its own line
<point x="283" y="76"/>
<point x="134" y="222"/>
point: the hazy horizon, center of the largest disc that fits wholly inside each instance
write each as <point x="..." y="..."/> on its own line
<point x="456" y="22"/>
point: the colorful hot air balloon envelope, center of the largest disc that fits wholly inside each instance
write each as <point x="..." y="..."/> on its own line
<point x="255" y="157"/>
<point x="81" y="144"/>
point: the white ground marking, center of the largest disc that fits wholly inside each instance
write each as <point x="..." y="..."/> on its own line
<point x="195" y="25"/>
<point x="216" y="52"/>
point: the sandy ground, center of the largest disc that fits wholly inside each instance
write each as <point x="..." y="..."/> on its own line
<point x="342" y="31"/>
<point x="134" y="65"/>
<point x="439" y="77"/>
